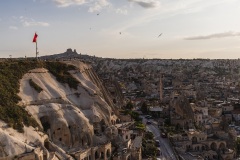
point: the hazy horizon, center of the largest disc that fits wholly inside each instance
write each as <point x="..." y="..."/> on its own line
<point x="122" y="29"/>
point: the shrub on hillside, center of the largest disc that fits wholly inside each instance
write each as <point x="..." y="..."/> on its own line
<point x="60" y="71"/>
<point x="35" y="86"/>
<point x="10" y="74"/>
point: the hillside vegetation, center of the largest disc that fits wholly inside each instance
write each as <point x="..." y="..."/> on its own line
<point x="60" y="71"/>
<point x="35" y="86"/>
<point x="10" y="74"/>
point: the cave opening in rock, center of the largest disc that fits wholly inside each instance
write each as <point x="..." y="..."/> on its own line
<point x="45" y="123"/>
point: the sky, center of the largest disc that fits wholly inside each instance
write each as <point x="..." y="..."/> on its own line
<point x="122" y="28"/>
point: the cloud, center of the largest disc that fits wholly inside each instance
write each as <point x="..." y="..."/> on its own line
<point x="13" y="27"/>
<point x="121" y="11"/>
<point x="94" y="5"/>
<point x="99" y="5"/>
<point x="216" y="35"/>
<point x="147" y="3"/>
<point x="29" y="22"/>
<point x="66" y="3"/>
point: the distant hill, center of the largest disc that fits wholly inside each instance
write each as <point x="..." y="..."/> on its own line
<point x="69" y="54"/>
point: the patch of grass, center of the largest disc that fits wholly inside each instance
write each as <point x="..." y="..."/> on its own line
<point x="35" y="86"/>
<point x="60" y="71"/>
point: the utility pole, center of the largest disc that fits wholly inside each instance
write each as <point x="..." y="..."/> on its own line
<point x="36" y="51"/>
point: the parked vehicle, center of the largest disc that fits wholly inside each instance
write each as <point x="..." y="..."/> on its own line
<point x="159" y="153"/>
<point x="157" y="143"/>
<point x="149" y="122"/>
<point x="163" y="135"/>
<point x="148" y="117"/>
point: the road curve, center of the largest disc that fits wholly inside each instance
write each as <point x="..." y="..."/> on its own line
<point x="165" y="147"/>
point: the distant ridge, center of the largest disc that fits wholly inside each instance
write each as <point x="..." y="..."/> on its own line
<point x="69" y="54"/>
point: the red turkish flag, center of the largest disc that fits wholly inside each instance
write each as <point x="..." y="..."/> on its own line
<point x="35" y="38"/>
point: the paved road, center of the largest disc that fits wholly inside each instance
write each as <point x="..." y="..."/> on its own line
<point x="167" y="152"/>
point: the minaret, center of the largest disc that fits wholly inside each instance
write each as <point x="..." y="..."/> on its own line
<point x="160" y="88"/>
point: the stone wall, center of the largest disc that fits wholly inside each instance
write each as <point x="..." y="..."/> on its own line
<point x="102" y="152"/>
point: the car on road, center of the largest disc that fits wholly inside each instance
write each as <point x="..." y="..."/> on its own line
<point x="163" y="135"/>
<point x="159" y="153"/>
<point x="157" y="143"/>
<point x="148" y="117"/>
<point x="149" y="122"/>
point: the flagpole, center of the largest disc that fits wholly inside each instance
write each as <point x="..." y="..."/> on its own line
<point x="36" y="50"/>
<point x="35" y="41"/>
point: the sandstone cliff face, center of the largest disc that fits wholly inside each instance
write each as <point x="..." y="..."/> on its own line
<point x="68" y="117"/>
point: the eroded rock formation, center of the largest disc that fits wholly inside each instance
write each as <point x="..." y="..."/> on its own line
<point x="70" y="120"/>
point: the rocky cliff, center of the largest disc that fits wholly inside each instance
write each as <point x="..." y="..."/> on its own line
<point x="69" y="118"/>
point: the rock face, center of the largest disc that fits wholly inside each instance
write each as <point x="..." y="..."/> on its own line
<point x="69" y="118"/>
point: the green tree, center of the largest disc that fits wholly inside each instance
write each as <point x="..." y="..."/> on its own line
<point x="144" y="108"/>
<point x="148" y="144"/>
<point x="237" y="146"/>
<point x="135" y="116"/>
<point x="129" y="105"/>
<point x="177" y="127"/>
